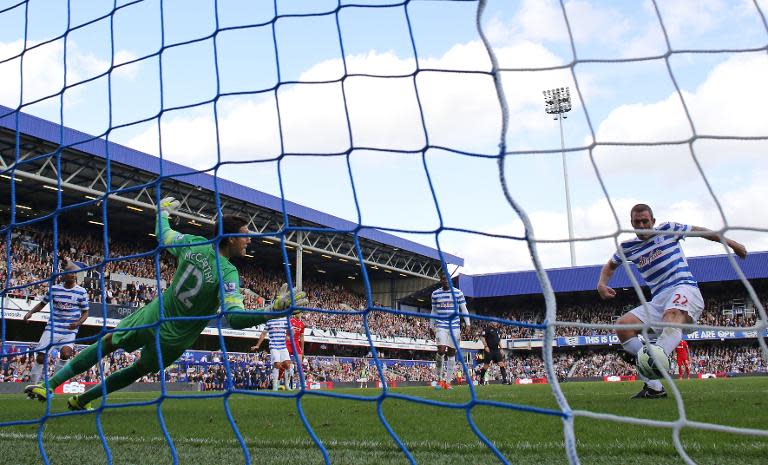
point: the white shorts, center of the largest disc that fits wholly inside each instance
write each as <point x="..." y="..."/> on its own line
<point x="279" y="355"/>
<point x="684" y="297"/>
<point x="443" y="336"/>
<point x="59" y="340"/>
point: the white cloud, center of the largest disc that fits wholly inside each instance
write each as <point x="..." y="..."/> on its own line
<point x="637" y="122"/>
<point x="683" y="18"/>
<point x="43" y="71"/>
<point x="86" y="65"/>
<point x="594" y="24"/>
<point x="248" y="131"/>
<point x="540" y="20"/>
<point x="649" y="42"/>
<point x="725" y="104"/>
<point x="461" y="111"/>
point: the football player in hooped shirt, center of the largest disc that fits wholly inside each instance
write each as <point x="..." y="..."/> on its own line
<point x="447" y="329"/>
<point x="69" y="309"/>
<point x="675" y="292"/>
<point x="194" y="292"/>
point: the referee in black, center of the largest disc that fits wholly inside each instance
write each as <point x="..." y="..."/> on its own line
<point x="492" y="352"/>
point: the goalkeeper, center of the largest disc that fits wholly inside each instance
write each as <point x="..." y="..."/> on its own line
<point x="194" y="292"/>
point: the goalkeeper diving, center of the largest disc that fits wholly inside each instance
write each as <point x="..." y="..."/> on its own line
<point x="194" y="292"/>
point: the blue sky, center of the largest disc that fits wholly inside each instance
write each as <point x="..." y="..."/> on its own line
<point x="630" y="101"/>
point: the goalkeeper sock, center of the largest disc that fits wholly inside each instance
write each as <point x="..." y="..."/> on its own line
<point x="76" y="365"/>
<point x="35" y="373"/>
<point x="115" y="381"/>
<point x="669" y="339"/>
<point x="632" y="345"/>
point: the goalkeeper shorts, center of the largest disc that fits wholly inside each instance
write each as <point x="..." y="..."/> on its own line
<point x="130" y="339"/>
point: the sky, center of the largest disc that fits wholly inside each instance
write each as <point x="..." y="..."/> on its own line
<point x="364" y="91"/>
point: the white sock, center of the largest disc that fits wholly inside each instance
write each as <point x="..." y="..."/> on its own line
<point x="35" y="373"/>
<point x="275" y="378"/>
<point x="632" y="345"/>
<point x="669" y="339"/>
<point x="654" y="384"/>
<point x="450" y="369"/>
<point x="439" y="367"/>
<point x="287" y="375"/>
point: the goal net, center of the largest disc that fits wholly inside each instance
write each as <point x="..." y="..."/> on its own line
<point x="423" y="119"/>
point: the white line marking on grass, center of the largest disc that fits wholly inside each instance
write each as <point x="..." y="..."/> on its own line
<point x="277" y="443"/>
<point x="370" y="445"/>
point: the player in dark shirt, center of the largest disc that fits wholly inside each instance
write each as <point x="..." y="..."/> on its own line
<point x="492" y="352"/>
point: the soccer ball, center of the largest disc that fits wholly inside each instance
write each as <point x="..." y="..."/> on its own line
<point x="652" y="362"/>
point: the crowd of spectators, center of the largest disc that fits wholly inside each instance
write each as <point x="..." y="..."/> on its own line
<point x="608" y="313"/>
<point x="16" y="368"/>
<point x="32" y="257"/>
<point x="727" y="359"/>
<point x="252" y="370"/>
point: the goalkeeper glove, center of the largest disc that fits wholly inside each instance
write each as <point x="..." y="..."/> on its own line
<point x="168" y="206"/>
<point x="283" y="299"/>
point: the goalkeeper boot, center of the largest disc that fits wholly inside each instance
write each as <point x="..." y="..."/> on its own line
<point x="38" y="391"/>
<point x="648" y="393"/>
<point x="73" y="403"/>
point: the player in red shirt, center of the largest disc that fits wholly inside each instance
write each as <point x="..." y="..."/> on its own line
<point x="682" y="359"/>
<point x="298" y="338"/>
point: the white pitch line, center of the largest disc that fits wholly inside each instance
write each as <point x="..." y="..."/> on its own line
<point x="283" y="443"/>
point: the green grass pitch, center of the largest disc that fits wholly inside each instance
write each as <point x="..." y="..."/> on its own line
<point x="353" y="434"/>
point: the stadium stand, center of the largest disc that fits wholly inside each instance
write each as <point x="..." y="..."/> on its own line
<point x="31" y="252"/>
<point x="250" y="370"/>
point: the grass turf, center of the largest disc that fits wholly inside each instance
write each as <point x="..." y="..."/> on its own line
<point x="353" y="433"/>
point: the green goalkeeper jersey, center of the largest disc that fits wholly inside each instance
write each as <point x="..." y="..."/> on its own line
<point x="194" y="290"/>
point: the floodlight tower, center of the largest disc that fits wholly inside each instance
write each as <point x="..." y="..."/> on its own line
<point x="558" y="103"/>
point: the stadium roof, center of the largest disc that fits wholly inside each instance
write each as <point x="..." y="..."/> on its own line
<point x="98" y="147"/>
<point x="712" y="268"/>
